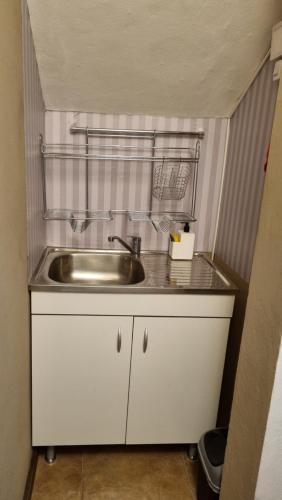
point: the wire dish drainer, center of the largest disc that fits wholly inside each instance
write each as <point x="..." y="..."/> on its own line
<point x="173" y="169"/>
<point x="170" y="180"/>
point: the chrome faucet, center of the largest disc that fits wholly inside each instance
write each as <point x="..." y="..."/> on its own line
<point x="135" y="249"/>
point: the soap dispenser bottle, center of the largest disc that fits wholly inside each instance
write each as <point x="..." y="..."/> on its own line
<point x="188" y="240"/>
<point x="182" y="248"/>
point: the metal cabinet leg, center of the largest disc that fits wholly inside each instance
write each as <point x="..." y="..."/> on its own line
<point x="50" y="454"/>
<point x="192" y="451"/>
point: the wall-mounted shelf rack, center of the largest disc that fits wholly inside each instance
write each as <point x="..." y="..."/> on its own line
<point x="172" y="169"/>
<point x="49" y="153"/>
<point x="162" y="221"/>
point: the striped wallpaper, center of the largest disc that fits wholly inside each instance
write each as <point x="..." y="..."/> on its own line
<point x="34" y="125"/>
<point x="250" y="132"/>
<point x="124" y="185"/>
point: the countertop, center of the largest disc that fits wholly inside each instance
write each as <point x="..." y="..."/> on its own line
<point x="162" y="275"/>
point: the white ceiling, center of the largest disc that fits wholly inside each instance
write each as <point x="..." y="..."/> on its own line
<point x="163" y="57"/>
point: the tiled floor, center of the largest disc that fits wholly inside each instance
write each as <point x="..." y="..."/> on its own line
<point x="116" y="473"/>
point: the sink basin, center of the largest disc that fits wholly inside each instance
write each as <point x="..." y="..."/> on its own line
<point x="96" y="269"/>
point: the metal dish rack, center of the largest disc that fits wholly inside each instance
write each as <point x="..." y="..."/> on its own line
<point x="172" y="170"/>
<point x="170" y="180"/>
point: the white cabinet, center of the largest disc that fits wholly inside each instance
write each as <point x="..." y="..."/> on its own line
<point x="95" y="381"/>
<point x="80" y="377"/>
<point x="175" y="381"/>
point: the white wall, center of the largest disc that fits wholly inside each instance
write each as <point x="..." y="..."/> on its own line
<point x="269" y="483"/>
<point x="15" y="438"/>
<point x="161" y="57"/>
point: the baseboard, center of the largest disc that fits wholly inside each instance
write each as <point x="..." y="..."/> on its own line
<point x="31" y="475"/>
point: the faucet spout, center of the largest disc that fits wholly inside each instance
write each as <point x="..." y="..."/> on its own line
<point x="135" y="249"/>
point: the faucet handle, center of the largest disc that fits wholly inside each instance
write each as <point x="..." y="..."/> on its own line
<point x="136" y="243"/>
<point x="135" y="239"/>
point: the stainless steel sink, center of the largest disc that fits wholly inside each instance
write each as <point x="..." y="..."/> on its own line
<point x="111" y="271"/>
<point x="96" y="269"/>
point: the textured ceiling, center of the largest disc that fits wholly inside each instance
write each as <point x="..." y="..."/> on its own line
<point x="162" y="57"/>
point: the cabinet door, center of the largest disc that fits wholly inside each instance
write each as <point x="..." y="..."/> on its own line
<point x="80" y="378"/>
<point x="175" y="379"/>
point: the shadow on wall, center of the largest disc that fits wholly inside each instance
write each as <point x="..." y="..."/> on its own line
<point x="233" y="346"/>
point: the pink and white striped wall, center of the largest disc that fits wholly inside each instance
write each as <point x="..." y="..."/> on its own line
<point x="34" y="126"/>
<point x="250" y="133"/>
<point x="124" y="186"/>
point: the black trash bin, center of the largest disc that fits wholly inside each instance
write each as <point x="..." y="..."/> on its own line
<point x="211" y="450"/>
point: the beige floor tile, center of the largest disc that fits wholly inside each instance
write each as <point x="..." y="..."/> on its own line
<point x="131" y="494"/>
<point x="117" y="473"/>
<point x="61" y="480"/>
<point x="57" y="496"/>
<point x="192" y="475"/>
<point x="135" y="474"/>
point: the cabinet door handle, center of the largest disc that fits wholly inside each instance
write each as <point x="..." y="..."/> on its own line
<point x="145" y="340"/>
<point x="119" y="340"/>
